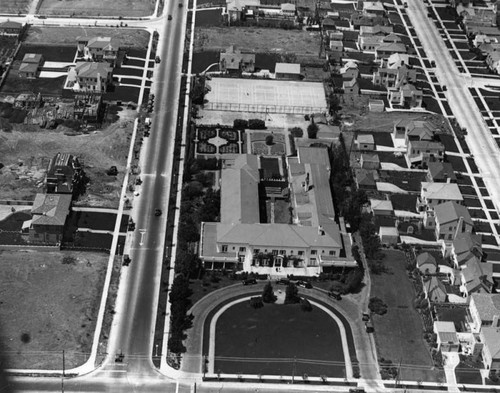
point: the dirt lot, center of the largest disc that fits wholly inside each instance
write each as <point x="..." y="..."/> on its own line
<point x="49" y="304"/>
<point x="67" y="35"/>
<point x="300" y="43"/>
<point x="14" y="6"/>
<point x="97" y="7"/>
<point x="26" y="154"/>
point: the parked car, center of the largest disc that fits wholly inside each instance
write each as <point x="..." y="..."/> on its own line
<point x="445" y="88"/>
<point x="283" y="281"/>
<point x="157" y="212"/>
<point x="365" y="317"/>
<point x="304" y="284"/>
<point x="369" y="327"/>
<point x="250" y="281"/>
<point x="170" y="17"/>
<point x="335" y="295"/>
<point x="157" y="58"/>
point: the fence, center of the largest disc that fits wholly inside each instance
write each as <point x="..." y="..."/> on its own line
<point x="236" y="107"/>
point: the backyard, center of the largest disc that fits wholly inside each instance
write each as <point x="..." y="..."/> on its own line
<point x="278" y="332"/>
<point x="49" y="304"/>
<point x="125" y="8"/>
<point x="399" y="333"/>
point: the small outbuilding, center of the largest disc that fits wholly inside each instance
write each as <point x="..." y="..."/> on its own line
<point x="447" y="339"/>
<point x="389" y="236"/>
<point x="287" y="71"/>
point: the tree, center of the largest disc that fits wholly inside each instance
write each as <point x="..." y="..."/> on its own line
<point x="354" y="280"/>
<point x="269" y="140"/>
<point x="291" y="294"/>
<point x="312" y="130"/>
<point x="377" y="306"/>
<point x="268" y="294"/>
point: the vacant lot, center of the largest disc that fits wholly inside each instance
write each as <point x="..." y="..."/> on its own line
<point x="49" y="304"/>
<point x="97" y="7"/>
<point x="399" y="333"/>
<point x="278" y="332"/>
<point x="300" y="43"/>
<point x="67" y="35"/>
<point x="14" y="6"/>
<point x="33" y="150"/>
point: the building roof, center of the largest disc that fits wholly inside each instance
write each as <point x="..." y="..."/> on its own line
<point x="366" y="177"/>
<point x="28" y="67"/>
<point x="10" y="25"/>
<point x="426" y="258"/>
<point x="381" y="204"/>
<point x="239" y="190"/>
<point x="50" y="209"/>
<point x="32" y="58"/>
<point x="478" y="276"/>
<point x="446" y="332"/>
<point x="487" y="305"/>
<point x="88" y="69"/>
<point x="289" y="7"/>
<point x="377" y="29"/>
<point x="419" y="128"/>
<point x="491" y="339"/>
<point x="431" y="145"/>
<point x="435" y="289"/>
<point x="349" y="83"/>
<point x="466" y="245"/>
<point x="237" y="5"/>
<point x="365" y="138"/>
<point x="370" y="39"/>
<point x="367" y="157"/>
<point x="444" y="192"/>
<point x="388" y="231"/>
<point x="287" y="68"/>
<point x="451" y="212"/>
<point x="233" y="58"/>
<point x="441" y="171"/>
<point x="102" y="43"/>
<point x="393" y="47"/>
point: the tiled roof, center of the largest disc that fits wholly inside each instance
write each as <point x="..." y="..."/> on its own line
<point x="487" y="305"/>
<point x="50" y="209"/>
<point x="450" y="211"/>
<point x="426" y="259"/>
<point x="445" y="192"/>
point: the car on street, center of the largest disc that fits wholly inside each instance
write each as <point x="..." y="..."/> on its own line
<point x="335" y="295"/>
<point x="365" y="317"/>
<point x="157" y="212"/>
<point x="170" y="17"/>
<point x="304" y="284"/>
<point x="157" y="59"/>
<point x="250" y="281"/>
<point x="283" y="281"/>
<point x="369" y="327"/>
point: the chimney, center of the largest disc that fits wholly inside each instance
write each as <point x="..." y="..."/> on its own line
<point x="321" y="232"/>
<point x="459" y="227"/>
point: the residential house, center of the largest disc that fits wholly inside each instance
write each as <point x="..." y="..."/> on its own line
<point x="60" y="174"/>
<point x="91" y="76"/>
<point x="486" y="48"/>
<point x="490" y="336"/>
<point x="336" y="35"/>
<point x="98" y="49"/>
<point x="484" y="309"/>
<point x="48" y="217"/>
<point x="365" y="142"/>
<point x="476" y="277"/>
<point x="366" y="179"/>
<point x="373" y="8"/>
<point x="237" y="9"/>
<point x="493" y="61"/>
<point x="413" y="130"/>
<point x="480" y="39"/>
<point x="440" y="172"/>
<point x="434" y="289"/>
<point x="288" y="9"/>
<point x="451" y="219"/>
<point x="465" y="246"/>
<point x="407" y="96"/>
<point x="350" y="87"/>
<point x="447" y="338"/>
<point x="369" y="161"/>
<point x="394" y="71"/>
<point x="390" y="45"/>
<point x="31" y="65"/>
<point x="434" y="194"/>
<point x="10" y="28"/>
<point x="336" y="46"/>
<point x="234" y="61"/>
<point x="350" y="70"/>
<point x="288" y="71"/>
<point x="424" y="152"/>
<point x="358" y="19"/>
<point x="426" y="263"/>
<point x="369" y="43"/>
<point x="379" y="30"/>
<point x="329" y="24"/>
<point x="376" y="105"/>
<point x="389" y="236"/>
<point x="381" y="207"/>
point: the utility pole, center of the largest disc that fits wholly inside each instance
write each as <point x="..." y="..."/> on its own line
<point x="293" y="369"/>
<point x="63" y="371"/>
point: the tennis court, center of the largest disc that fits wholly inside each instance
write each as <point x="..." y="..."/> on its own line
<point x="264" y="95"/>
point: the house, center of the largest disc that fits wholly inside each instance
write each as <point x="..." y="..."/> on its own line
<point x="451" y="219"/>
<point x="410" y="130"/>
<point x="490" y="336"/>
<point x="336" y="46"/>
<point x="288" y="9"/>
<point x="237" y="9"/>
<point x="359" y="19"/>
<point x="476" y="277"/>
<point x="465" y="246"/>
<point x="434" y="289"/>
<point x="480" y="39"/>
<point x="426" y="263"/>
<point x="48" y="217"/>
<point x="30" y="65"/>
<point x="349" y="70"/>
<point x="366" y="179"/>
<point x="373" y="8"/>
<point x="10" y="28"/>
<point x="434" y="194"/>
<point x="329" y="24"/>
<point x="407" y="96"/>
<point x="234" y="61"/>
<point x="493" y="61"/>
<point x="91" y="76"/>
<point x="394" y="71"/>
<point x="365" y="142"/>
<point x="447" y="339"/>
<point x="390" y="45"/>
<point x="424" y="152"/>
<point x="440" y="172"/>
<point x="60" y="174"/>
<point x="484" y="309"/>
<point x="376" y="105"/>
<point x="98" y="49"/>
<point x="369" y="161"/>
<point x="381" y="207"/>
<point x="379" y="30"/>
<point x="369" y="43"/>
<point x="350" y="87"/>
<point x="336" y="35"/>
<point x="389" y="236"/>
<point x="287" y="71"/>
<point x="28" y="101"/>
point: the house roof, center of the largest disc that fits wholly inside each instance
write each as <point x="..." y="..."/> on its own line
<point x="32" y="58"/>
<point x="418" y="128"/>
<point x="441" y="171"/>
<point x="370" y="39"/>
<point x="366" y="138"/>
<point x="287" y="68"/>
<point x="398" y="60"/>
<point x="336" y="43"/>
<point x="388" y="231"/>
<point x="393" y="47"/>
<point x="349" y="83"/>
<point x="87" y="69"/>
<point x="50" y="209"/>
<point x="28" y="67"/>
<point x="477" y="275"/>
<point x="373" y="6"/>
<point x="467" y="243"/>
<point x="237" y="5"/>
<point x="444" y="326"/>
<point x="435" y="289"/>
<point x="10" y="25"/>
<point x="409" y="90"/>
<point x="426" y="258"/>
<point x="444" y="192"/>
<point x="240" y="190"/>
<point x="378" y="204"/>
<point x="487" y="305"/>
<point x="366" y="177"/>
<point x="288" y="7"/>
<point x="102" y="43"/>
<point x="377" y="29"/>
<point x="233" y="58"/>
<point x="370" y="157"/>
<point x="450" y="211"/>
<point x="491" y="339"/>
<point x="431" y="145"/>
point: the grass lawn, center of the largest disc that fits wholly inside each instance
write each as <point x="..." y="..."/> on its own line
<point x="466" y="374"/>
<point x="278" y="332"/>
<point x="406" y="180"/>
<point x="281" y="211"/>
<point x="63" y="53"/>
<point x="46" y="86"/>
<point x="49" y="304"/>
<point x="399" y="333"/>
<point x="97" y="8"/>
<point x="14" y="6"/>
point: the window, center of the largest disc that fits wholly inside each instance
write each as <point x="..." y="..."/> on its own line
<point x="282" y="252"/>
<point x="313" y="252"/>
<point x="234" y="248"/>
<point x="275" y="252"/>
<point x="322" y="251"/>
<point x="301" y="252"/>
<point x="332" y="252"/>
<point x="256" y="250"/>
<point x="243" y="249"/>
<point x="224" y="248"/>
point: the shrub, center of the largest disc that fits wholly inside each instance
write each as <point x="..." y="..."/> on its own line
<point x="268" y="294"/>
<point x="297" y="132"/>
<point x="256" y="302"/>
<point x="312" y="131"/>
<point x="377" y="306"/>
<point x="240" y="124"/>
<point x="269" y="140"/>
<point x="291" y="294"/>
<point x="305" y="305"/>
<point x="256" y="124"/>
